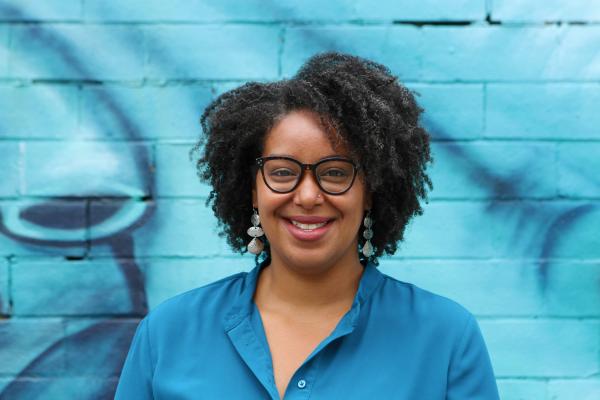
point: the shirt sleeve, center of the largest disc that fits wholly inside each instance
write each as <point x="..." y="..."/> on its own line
<point x="470" y="375"/>
<point x="136" y="377"/>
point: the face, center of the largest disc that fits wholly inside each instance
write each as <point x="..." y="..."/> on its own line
<point x="307" y="228"/>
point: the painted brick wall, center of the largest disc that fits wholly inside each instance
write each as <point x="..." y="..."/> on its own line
<point x="102" y="216"/>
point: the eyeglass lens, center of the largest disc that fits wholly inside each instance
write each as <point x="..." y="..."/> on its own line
<point x="334" y="176"/>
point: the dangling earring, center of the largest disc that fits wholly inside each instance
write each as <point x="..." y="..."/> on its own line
<point x="367" y="249"/>
<point x="255" y="246"/>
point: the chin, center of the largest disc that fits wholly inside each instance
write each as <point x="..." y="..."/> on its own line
<point x="309" y="260"/>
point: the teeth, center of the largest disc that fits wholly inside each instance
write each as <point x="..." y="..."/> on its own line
<point x="308" y="227"/>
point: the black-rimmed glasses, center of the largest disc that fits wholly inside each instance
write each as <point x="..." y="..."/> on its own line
<point x="334" y="175"/>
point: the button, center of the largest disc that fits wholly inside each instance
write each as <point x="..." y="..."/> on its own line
<point x="301" y="384"/>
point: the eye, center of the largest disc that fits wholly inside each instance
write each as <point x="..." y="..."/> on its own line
<point x="282" y="172"/>
<point x="334" y="173"/>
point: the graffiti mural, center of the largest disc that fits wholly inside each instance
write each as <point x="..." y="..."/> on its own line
<point x="87" y="191"/>
<point x="102" y="217"/>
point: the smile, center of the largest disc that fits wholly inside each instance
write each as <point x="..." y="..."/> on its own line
<point x="308" y="227"/>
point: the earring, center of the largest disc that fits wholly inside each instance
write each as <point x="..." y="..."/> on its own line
<point x="255" y="246"/>
<point x="367" y="249"/>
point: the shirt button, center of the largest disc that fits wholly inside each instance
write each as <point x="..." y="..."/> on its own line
<point x="301" y="384"/>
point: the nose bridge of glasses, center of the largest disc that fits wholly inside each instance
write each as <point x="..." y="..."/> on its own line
<point x="313" y="169"/>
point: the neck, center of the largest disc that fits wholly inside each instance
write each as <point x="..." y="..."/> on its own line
<point x="284" y="289"/>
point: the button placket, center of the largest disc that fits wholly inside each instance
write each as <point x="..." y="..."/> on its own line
<point x="304" y="379"/>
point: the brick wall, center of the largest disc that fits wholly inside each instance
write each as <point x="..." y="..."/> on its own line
<point x="102" y="216"/>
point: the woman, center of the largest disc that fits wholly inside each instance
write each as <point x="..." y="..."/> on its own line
<point x="318" y="175"/>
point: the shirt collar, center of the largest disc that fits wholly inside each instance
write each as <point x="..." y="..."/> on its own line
<point x="242" y="306"/>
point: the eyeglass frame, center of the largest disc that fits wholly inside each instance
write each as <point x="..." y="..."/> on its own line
<point x="260" y="162"/>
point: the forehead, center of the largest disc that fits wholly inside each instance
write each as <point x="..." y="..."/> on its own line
<point x="300" y="134"/>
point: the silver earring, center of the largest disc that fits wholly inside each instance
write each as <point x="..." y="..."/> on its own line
<point x="367" y="249"/>
<point x="255" y="246"/>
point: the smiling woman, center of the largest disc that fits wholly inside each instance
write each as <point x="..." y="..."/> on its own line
<point x="318" y="176"/>
<point x="310" y="229"/>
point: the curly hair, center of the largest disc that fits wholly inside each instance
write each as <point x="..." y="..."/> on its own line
<point x="359" y="102"/>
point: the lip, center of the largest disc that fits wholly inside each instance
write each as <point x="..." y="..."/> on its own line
<point x="310" y="235"/>
<point x="309" y="219"/>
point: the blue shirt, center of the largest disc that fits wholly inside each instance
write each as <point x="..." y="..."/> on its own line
<point x="396" y="342"/>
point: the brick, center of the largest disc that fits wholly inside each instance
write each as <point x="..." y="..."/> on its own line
<point x="493" y="170"/>
<point x="521" y="389"/>
<point x="176" y="173"/>
<point x="212" y="52"/>
<point x="554" y="111"/>
<point x="578" y="166"/>
<point x="552" y="10"/>
<point x="97" y="348"/>
<point x="166" y="278"/>
<point x="34" y="347"/>
<point x="568" y="289"/>
<point x="75" y="288"/>
<point x="4" y="51"/>
<point x="58" y="388"/>
<point x="394" y="46"/>
<point x="167" y="112"/>
<point x="38" y="111"/>
<point x="256" y="10"/>
<point x="172" y="227"/>
<point x="506" y="229"/>
<point x="221" y="87"/>
<point x="544" y="229"/>
<point x="178" y="10"/>
<point x="96" y="52"/>
<point x="9" y="165"/>
<point x="584" y="389"/>
<point x="429" y="10"/>
<point x="77" y="168"/>
<point x="195" y="10"/>
<point x="113" y="222"/>
<point x="32" y="10"/>
<point x="543" y="347"/>
<point x="508" y="53"/>
<point x="448" y="229"/>
<point x="42" y="227"/>
<point x="451" y="111"/>
<point x="572" y="289"/>
<point x="570" y="230"/>
<point x="4" y="287"/>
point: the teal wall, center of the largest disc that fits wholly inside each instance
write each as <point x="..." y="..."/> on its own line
<point x="102" y="217"/>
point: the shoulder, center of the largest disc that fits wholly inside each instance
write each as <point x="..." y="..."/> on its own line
<point x="442" y="331"/>
<point x="423" y="307"/>
<point x="200" y="303"/>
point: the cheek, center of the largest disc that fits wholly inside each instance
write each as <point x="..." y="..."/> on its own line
<point x="260" y="194"/>
<point x="353" y="215"/>
<point x="269" y="205"/>
<point x="357" y="213"/>
<point x="358" y="224"/>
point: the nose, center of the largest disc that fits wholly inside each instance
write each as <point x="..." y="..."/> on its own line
<point x="308" y="192"/>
